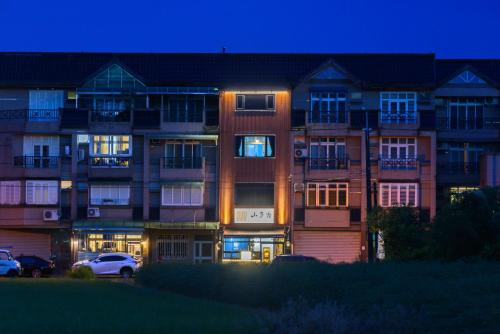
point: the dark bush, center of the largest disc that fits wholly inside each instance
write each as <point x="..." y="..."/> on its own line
<point x="405" y="236"/>
<point x="82" y="272"/>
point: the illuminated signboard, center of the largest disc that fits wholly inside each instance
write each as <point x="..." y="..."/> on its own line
<point x="254" y="215"/>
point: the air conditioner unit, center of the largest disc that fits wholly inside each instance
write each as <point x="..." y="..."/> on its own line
<point x="301" y="153"/>
<point x="50" y="215"/>
<point x="298" y="187"/>
<point x="93" y="213"/>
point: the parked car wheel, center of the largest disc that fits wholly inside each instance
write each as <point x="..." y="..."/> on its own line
<point x="12" y="273"/>
<point x="36" y="273"/>
<point x="126" y="272"/>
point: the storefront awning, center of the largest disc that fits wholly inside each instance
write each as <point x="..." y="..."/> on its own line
<point x="183" y="226"/>
<point x="267" y="233"/>
<point x="91" y="225"/>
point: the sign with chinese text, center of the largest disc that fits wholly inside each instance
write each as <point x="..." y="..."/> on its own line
<point x="253" y="215"/>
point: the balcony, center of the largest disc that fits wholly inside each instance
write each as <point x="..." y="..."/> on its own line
<point x="183" y="168"/>
<point x="334" y="117"/>
<point x="30" y="120"/>
<point x="398" y="118"/>
<point x="26" y="161"/>
<point x="399" y="163"/>
<point x="328" y="163"/>
<point x="120" y="116"/>
<point x="43" y="115"/>
<point x="110" y="162"/>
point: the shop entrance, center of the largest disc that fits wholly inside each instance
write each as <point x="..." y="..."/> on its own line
<point x="252" y="249"/>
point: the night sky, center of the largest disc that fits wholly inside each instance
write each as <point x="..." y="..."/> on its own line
<point x="451" y="28"/>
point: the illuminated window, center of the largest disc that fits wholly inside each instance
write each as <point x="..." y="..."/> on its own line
<point x="42" y="192"/>
<point x="111" y="146"/>
<point x="255" y="146"/>
<point x="396" y="194"/>
<point x="327" y="195"/>
<point x="398" y="107"/>
<point x="457" y="192"/>
<point x="66" y="184"/>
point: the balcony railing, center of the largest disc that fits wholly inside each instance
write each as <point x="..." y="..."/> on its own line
<point x="43" y="115"/>
<point x="468" y="124"/>
<point x="332" y="117"/>
<point x="328" y="163"/>
<point x="110" y="162"/>
<point x="386" y="118"/>
<point x="183" y="116"/>
<point x="27" y="161"/>
<point x="110" y="115"/>
<point x="398" y="163"/>
<point x="31" y="115"/>
<point x="458" y="167"/>
<point x="182" y="163"/>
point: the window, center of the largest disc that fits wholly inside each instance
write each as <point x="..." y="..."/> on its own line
<point x="172" y="247"/>
<point x="398" y="153"/>
<point x="464" y="158"/>
<point x="465" y="113"/>
<point x="255" y="146"/>
<point x="398" y="107"/>
<point x="327" y="153"/>
<point x="114" y="77"/>
<point x="395" y="194"/>
<point x="109" y="194"/>
<point x="10" y="192"/>
<point x="255" y="102"/>
<point x="254" y="195"/>
<point x="183" y="154"/>
<point x="457" y="192"/>
<point x="111" y="151"/>
<point x="42" y="192"/>
<point x="182" y="195"/>
<point x="66" y="184"/>
<point x="327" y="195"/>
<point x="183" y="108"/>
<point x="328" y="107"/>
<point x="44" y="104"/>
<point x="40" y="152"/>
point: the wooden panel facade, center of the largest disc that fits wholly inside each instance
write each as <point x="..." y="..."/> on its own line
<point x="276" y="169"/>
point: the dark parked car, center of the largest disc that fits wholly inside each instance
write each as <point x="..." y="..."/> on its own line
<point x="35" y="266"/>
<point x="288" y="258"/>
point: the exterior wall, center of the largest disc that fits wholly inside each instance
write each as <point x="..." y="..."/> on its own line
<point x="490" y="170"/>
<point x="274" y="170"/>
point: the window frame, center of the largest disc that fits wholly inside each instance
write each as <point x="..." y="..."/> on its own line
<point x="333" y="116"/>
<point x="10" y="189"/>
<point x="328" y="142"/>
<point x="241" y="97"/>
<point x="267" y="142"/>
<point x="398" y="186"/>
<point x="183" y="189"/>
<point x="115" y="201"/>
<point x="318" y="187"/>
<point x="111" y="146"/>
<point x="471" y="106"/>
<point x="52" y="188"/>
<point x="407" y="116"/>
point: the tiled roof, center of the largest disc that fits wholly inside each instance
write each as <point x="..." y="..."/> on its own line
<point x="213" y="69"/>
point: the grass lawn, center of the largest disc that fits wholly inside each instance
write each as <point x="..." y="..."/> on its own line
<point x="71" y="306"/>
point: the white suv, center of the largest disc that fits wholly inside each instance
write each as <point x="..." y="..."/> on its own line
<point x="112" y="264"/>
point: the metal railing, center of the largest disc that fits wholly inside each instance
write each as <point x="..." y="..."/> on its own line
<point x="31" y="115"/>
<point x="333" y="117"/>
<point x="183" y="116"/>
<point x="27" y="161"/>
<point x="468" y="124"/>
<point x="110" y="162"/>
<point x="110" y="115"/>
<point x="387" y="118"/>
<point x="458" y="167"/>
<point x="43" y="115"/>
<point x="183" y="163"/>
<point x="328" y="163"/>
<point x="398" y="163"/>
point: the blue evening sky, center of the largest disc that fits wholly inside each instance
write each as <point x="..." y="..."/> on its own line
<point x="451" y="28"/>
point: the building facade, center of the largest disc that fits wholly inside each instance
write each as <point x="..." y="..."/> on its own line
<point x="232" y="157"/>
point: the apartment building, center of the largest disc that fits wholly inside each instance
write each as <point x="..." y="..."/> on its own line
<point x="468" y="122"/>
<point x="335" y="102"/>
<point x="230" y="157"/>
